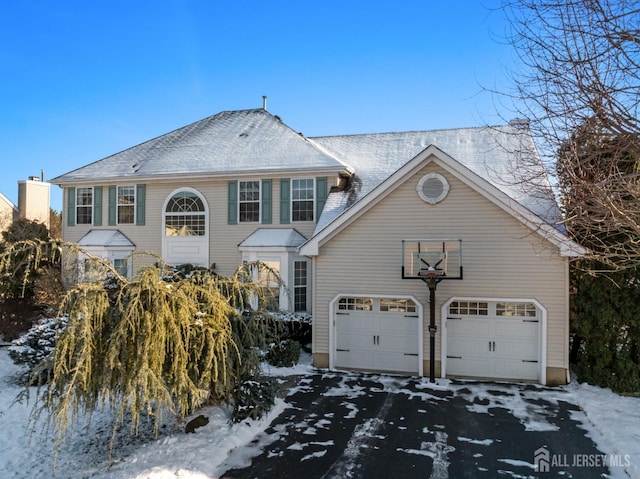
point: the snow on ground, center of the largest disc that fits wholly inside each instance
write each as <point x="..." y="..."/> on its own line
<point x="612" y="421"/>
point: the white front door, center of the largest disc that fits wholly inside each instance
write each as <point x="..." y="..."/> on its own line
<point x="493" y="339"/>
<point x="377" y="334"/>
<point x="185" y="236"/>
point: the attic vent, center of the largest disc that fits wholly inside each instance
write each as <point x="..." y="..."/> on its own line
<point x="433" y="188"/>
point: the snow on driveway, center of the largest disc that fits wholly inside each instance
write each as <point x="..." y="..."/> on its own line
<point x="611" y="421"/>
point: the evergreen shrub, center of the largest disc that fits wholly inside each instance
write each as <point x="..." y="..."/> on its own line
<point x="605" y="326"/>
<point x="283" y="354"/>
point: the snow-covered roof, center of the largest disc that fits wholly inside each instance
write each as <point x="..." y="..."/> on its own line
<point x="230" y="142"/>
<point x="273" y="238"/>
<point x="505" y="156"/>
<point x="105" y="238"/>
<point x="254" y="142"/>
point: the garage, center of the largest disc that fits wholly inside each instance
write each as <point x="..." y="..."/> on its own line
<point x="377" y="334"/>
<point x="493" y="339"/>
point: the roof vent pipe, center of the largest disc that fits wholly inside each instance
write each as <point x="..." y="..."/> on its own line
<point x="264" y="102"/>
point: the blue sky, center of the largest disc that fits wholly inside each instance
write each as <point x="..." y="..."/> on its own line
<point x="83" y="80"/>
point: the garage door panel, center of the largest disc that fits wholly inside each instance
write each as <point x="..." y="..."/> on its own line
<point x="500" y="340"/>
<point x="397" y="362"/>
<point x="469" y="327"/>
<point x="354" y="358"/>
<point x="469" y="366"/>
<point x="513" y="328"/>
<point x="467" y="346"/>
<point x="394" y="322"/>
<point x="377" y="340"/>
<point x="399" y="343"/>
<point x="520" y="350"/>
<point x="511" y="369"/>
<point x="354" y="340"/>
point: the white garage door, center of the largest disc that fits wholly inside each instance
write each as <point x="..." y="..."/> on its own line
<point x="494" y="339"/>
<point x="377" y="334"/>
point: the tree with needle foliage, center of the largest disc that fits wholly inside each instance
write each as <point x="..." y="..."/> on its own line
<point x="157" y="343"/>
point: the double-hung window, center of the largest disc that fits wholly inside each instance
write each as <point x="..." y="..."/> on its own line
<point x="84" y="206"/>
<point x="126" y="204"/>
<point x="249" y="201"/>
<point x="300" y="285"/>
<point x="302" y="199"/>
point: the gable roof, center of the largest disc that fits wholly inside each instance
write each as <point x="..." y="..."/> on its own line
<point x="105" y="238"/>
<point x="505" y="156"/>
<point x="344" y="211"/>
<point x="230" y="142"/>
<point x="273" y="238"/>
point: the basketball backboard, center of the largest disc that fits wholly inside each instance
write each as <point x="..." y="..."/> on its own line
<point x="442" y="256"/>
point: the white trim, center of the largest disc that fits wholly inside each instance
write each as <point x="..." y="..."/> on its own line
<point x="78" y="206"/>
<point x="134" y="205"/>
<point x="477" y="183"/>
<point x="429" y="176"/>
<point x="332" y="324"/>
<point x="542" y="349"/>
<point x="313" y="200"/>
<point x="203" y="241"/>
<point x="250" y="180"/>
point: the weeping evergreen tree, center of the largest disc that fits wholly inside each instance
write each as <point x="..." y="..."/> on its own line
<point x="161" y="342"/>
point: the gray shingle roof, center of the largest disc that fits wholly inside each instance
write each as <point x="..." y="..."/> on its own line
<point x="241" y="141"/>
<point x="256" y="142"/>
<point x="505" y="156"/>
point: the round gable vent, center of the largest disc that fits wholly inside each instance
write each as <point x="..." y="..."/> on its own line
<point x="433" y="188"/>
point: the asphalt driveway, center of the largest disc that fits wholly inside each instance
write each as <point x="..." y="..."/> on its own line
<point x="372" y="426"/>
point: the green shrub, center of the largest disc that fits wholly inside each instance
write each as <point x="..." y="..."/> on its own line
<point x="253" y="398"/>
<point x="605" y="327"/>
<point x="283" y="354"/>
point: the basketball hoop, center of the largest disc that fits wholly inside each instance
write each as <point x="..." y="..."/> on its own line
<point x="432" y="260"/>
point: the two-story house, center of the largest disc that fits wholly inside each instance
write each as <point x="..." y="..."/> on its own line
<point x="345" y="220"/>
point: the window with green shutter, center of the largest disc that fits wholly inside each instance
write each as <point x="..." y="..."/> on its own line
<point x="285" y="201"/>
<point x="266" y="202"/>
<point x="141" y="198"/>
<point x="71" y="206"/>
<point x="321" y="195"/>
<point x="97" y="205"/>
<point x="232" y="203"/>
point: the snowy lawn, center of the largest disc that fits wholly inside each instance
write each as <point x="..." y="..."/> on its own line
<point x="27" y="450"/>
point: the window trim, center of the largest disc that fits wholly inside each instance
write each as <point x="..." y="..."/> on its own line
<point x="304" y="287"/>
<point x="133" y="205"/>
<point x="258" y="201"/>
<point x="90" y="206"/>
<point x="313" y="200"/>
<point x="204" y="213"/>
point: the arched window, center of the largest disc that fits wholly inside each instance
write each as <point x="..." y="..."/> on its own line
<point x="185" y="215"/>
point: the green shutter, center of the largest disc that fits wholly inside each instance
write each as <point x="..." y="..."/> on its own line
<point x="266" y="202"/>
<point x="71" y="206"/>
<point x="141" y="194"/>
<point x="285" y="201"/>
<point x="97" y="205"/>
<point x="232" y="204"/>
<point x="321" y="195"/>
<point x="113" y="205"/>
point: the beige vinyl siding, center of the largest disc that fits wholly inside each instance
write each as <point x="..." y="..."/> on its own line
<point x="501" y="258"/>
<point x="223" y="238"/>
